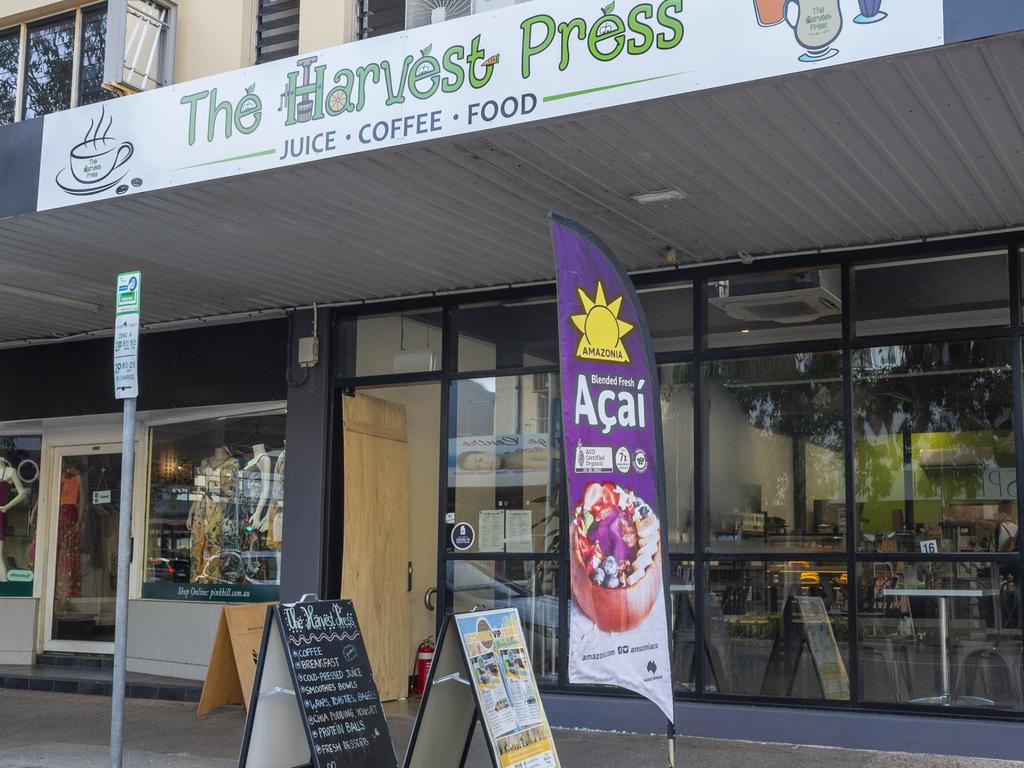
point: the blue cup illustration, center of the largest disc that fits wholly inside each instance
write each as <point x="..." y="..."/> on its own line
<point x="870" y="12"/>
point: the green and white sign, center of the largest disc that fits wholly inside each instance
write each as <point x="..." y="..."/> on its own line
<point x="520" y="64"/>
<point x="128" y="303"/>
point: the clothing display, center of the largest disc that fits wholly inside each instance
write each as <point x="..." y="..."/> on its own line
<point x="276" y="513"/>
<point x="216" y="482"/>
<point x="212" y="492"/>
<point x="4" y="490"/>
<point x="69" y="557"/>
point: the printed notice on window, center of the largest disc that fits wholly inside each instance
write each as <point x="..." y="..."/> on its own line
<point x="503" y="677"/>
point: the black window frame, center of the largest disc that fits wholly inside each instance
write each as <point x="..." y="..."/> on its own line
<point x="699" y="560"/>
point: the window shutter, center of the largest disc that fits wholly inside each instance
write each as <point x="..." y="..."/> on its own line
<point x="277" y="30"/>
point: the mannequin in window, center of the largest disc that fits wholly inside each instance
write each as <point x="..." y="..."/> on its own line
<point x="275" y="514"/>
<point x="69" y="558"/>
<point x="8" y="479"/>
<point x="257" y="489"/>
<point x="215" y="484"/>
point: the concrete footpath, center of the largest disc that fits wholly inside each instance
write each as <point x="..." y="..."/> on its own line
<point x="51" y="730"/>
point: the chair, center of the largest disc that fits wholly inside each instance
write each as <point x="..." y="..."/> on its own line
<point x="894" y="658"/>
<point x="972" y="659"/>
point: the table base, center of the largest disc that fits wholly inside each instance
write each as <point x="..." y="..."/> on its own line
<point x="954" y="701"/>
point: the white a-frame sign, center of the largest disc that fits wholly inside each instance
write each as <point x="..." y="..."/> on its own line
<point x="482" y="672"/>
<point x="314" y="701"/>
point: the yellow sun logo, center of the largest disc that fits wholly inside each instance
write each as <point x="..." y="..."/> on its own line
<point x="601" y="327"/>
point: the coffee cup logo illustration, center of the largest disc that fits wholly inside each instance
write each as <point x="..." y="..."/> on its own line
<point x="601" y="328"/>
<point x="816" y="24"/>
<point x="98" y="162"/>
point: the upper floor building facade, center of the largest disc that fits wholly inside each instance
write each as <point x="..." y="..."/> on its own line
<point x="69" y="53"/>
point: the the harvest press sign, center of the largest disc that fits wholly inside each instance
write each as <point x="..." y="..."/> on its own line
<point x="523" y="63"/>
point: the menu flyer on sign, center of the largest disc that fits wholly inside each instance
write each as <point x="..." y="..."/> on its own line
<point x="509" y="700"/>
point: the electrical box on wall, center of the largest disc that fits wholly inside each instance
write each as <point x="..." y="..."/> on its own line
<point x="309" y="352"/>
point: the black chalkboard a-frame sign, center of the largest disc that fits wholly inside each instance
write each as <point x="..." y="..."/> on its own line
<point x="314" y="700"/>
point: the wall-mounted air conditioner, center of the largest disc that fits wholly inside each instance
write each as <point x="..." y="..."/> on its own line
<point x="797" y="297"/>
<point x="420" y="13"/>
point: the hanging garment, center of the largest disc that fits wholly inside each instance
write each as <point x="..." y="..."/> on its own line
<point x="4" y="491"/>
<point x="206" y="527"/>
<point x="69" y="559"/>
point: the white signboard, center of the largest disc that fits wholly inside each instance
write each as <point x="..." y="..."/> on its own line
<point x="519" y="64"/>
<point x="126" y="335"/>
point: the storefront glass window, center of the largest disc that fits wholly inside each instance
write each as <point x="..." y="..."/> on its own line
<point x="530" y="586"/>
<point x="668" y="310"/>
<point x="677" y="436"/>
<point x="927" y="294"/>
<point x="9" y="47"/>
<point x="774" y="307"/>
<point x="778" y="629"/>
<point x="943" y="634"/>
<point x="49" y="61"/>
<point x="379" y="345"/>
<point x="776" y="453"/>
<point x="512" y="335"/>
<point x="216" y="509"/>
<point x="684" y="624"/>
<point x="935" y="454"/>
<point x="19" y="508"/>
<point x="92" y="55"/>
<point x="504" y="465"/>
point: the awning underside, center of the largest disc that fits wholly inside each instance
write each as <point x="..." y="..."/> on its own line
<point x="922" y="145"/>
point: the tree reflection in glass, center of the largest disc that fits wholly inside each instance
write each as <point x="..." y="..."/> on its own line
<point x="8" y="75"/>
<point x="49" y="63"/>
<point x="933" y="432"/>
<point x="775" y="431"/>
<point x="93" y="51"/>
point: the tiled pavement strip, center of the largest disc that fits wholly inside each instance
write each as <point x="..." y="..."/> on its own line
<point x="53" y="730"/>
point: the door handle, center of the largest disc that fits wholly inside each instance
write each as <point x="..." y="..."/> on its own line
<point x="428" y="598"/>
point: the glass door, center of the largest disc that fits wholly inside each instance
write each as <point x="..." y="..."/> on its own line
<point x="85" y="502"/>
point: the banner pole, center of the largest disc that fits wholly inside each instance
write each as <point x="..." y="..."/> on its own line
<point x="671" y="745"/>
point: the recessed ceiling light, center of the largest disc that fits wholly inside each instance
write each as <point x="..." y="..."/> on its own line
<point x="745" y="330"/>
<point x="661" y="196"/>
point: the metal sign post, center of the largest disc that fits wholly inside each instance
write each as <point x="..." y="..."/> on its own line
<point x="126" y="387"/>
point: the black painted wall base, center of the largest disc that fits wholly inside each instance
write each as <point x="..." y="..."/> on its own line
<point x="850" y="730"/>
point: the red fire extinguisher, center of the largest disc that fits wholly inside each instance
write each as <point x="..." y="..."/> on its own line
<point x="424" y="658"/>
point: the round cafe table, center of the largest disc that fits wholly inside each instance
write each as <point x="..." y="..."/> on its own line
<point x="945" y="697"/>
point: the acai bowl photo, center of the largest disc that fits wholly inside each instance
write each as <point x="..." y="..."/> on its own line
<point x="616" y="557"/>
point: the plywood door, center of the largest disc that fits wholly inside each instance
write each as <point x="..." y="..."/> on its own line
<point x="375" y="555"/>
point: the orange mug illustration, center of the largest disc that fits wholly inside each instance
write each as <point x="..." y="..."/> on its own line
<point x="770" y="12"/>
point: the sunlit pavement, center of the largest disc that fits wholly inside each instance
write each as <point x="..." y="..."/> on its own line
<point x="49" y="730"/>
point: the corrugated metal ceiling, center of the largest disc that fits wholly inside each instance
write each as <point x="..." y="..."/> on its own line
<point x="921" y="145"/>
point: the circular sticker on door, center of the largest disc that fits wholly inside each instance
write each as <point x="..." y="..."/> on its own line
<point x="463" y="536"/>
